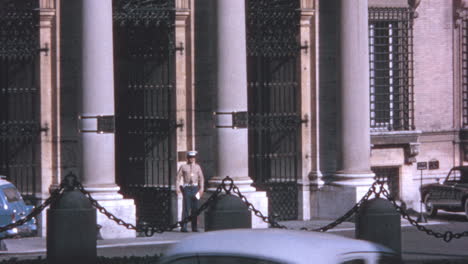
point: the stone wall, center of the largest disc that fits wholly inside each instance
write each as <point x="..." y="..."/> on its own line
<point x="435" y="110"/>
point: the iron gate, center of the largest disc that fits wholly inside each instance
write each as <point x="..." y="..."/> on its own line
<point x="274" y="108"/>
<point x="145" y="122"/>
<point x="19" y="94"/>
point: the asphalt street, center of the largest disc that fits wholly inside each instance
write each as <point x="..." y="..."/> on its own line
<point x="420" y="247"/>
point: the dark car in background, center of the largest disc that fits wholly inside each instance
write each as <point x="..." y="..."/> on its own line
<point x="450" y="195"/>
<point x="12" y="209"/>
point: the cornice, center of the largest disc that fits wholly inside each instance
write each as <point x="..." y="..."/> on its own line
<point x="460" y="11"/>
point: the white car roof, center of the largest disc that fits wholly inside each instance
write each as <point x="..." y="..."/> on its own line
<point x="3" y="180"/>
<point x="289" y="245"/>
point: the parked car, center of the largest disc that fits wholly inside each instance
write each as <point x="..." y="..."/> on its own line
<point x="12" y="209"/>
<point x="271" y="246"/>
<point x="451" y="195"/>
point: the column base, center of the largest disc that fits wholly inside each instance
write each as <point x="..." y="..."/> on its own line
<point x="353" y="179"/>
<point x="316" y="179"/>
<point x="331" y="202"/>
<point x="41" y="221"/>
<point x="259" y="200"/>
<point x="122" y="208"/>
<point x="340" y="195"/>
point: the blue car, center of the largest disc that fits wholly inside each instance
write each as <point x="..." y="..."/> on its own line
<point x="12" y="209"/>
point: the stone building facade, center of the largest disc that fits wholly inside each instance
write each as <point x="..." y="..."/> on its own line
<point x="303" y="103"/>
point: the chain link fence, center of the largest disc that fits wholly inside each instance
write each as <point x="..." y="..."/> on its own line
<point x="228" y="187"/>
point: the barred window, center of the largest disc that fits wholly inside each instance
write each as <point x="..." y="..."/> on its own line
<point x="391" y="81"/>
<point x="391" y="177"/>
<point x="464" y="72"/>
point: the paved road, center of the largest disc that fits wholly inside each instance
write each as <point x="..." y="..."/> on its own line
<point x="418" y="247"/>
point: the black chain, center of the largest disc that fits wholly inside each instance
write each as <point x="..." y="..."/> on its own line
<point x="447" y="236"/>
<point x="270" y="220"/>
<point x="227" y="185"/>
<point x="151" y="230"/>
<point x="273" y="223"/>
<point x="352" y="211"/>
<point x="103" y="210"/>
<point x="55" y="195"/>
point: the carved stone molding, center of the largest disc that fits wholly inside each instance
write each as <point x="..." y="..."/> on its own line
<point x="460" y="11"/>
<point x="408" y="140"/>
<point x="411" y="151"/>
<point x="413" y="4"/>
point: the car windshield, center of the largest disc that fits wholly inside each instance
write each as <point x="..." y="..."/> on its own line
<point x="11" y="194"/>
<point x="464" y="177"/>
<point x="458" y="176"/>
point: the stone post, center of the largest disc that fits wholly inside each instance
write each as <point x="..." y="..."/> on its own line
<point x="97" y="117"/>
<point x="232" y="144"/>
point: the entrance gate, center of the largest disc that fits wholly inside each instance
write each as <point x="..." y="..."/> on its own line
<point x="19" y="94"/>
<point x="274" y="105"/>
<point x="145" y="120"/>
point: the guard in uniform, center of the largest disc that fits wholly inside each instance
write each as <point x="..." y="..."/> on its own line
<point x="190" y="183"/>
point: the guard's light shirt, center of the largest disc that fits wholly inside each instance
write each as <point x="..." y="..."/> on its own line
<point x="190" y="174"/>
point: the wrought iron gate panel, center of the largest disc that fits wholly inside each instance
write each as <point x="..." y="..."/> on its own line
<point x="19" y="94"/>
<point x="274" y="108"/>
<point x="144" y="55"/>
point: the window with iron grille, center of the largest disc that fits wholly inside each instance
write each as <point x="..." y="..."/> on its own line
<point x="390" y="177"/>
<point x="391" y="81"/>
<point x="464" y="72"/>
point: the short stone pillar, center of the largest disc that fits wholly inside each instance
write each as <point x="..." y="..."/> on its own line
<point x="228" y="212"/>
<point x="378" y="221"/>
<point x="71" y="229"/>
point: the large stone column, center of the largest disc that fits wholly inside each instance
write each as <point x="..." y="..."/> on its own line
<point x="353" y="176"/>
<point x="97" y="135"/>
<point x="232" y="143"/>
<point x="354" y="87"/>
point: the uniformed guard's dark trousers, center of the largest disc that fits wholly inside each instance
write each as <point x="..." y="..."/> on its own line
<point x="190" y="204"/>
